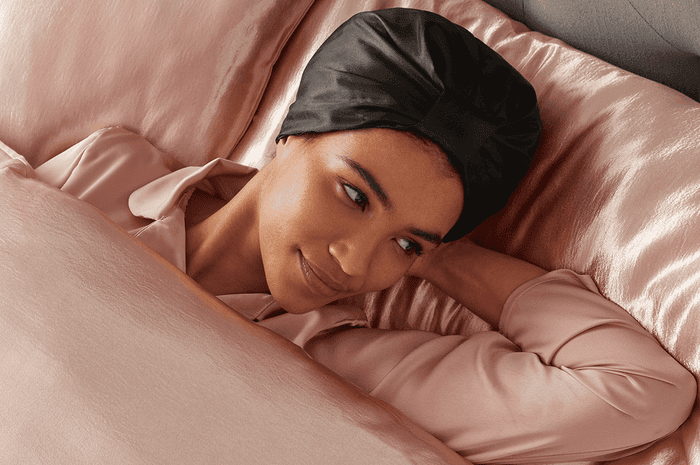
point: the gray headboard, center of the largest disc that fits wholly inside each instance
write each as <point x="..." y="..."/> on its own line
<point x="659" y="39"/>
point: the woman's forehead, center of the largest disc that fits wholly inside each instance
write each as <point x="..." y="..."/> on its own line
<point x="386" y="146"/>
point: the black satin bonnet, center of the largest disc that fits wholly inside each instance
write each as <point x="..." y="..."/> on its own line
<point x="416" y="71"/>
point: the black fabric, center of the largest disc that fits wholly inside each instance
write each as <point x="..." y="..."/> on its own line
<point x="416" y="71"/>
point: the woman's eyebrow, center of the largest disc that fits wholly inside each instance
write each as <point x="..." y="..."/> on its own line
<point x="371" y="182"/>
<point x="433" y="238"/>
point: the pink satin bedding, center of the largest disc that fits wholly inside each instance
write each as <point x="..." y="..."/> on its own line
<point x="568" y="384"/>
<point x="170" y="71"/>
<point x="613" y="191"/>
<point x="110" y="354"/>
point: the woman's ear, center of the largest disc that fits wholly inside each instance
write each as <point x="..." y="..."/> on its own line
<point x="282" y="147"/>
<point x="287" y="143"/>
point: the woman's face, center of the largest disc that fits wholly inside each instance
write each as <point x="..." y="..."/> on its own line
<point x="349" y="212"/>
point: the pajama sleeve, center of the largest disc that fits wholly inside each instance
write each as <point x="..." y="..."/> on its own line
<point x="571" y="376"/>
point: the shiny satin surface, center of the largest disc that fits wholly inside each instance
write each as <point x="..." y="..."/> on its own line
<point x="612" y="192"/>
<point x="111" y="355"/>
<point x="170" y="71"/>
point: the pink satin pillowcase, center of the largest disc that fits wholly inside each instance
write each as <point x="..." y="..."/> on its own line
<point x="185" y="75"/>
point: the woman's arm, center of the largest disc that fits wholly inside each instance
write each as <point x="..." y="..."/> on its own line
<point x="572" y="376"/>
<point x="479" y="278"/>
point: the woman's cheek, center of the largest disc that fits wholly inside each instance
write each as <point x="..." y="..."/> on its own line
<point x="322" y="215"/>
<point x="289" y="202"/>
<point x="282" y="201"/>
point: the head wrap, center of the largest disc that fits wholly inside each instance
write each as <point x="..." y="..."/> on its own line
<point x="416" y="71"/>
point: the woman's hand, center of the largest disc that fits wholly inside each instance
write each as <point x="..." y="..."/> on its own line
<point x="478" y="278"/>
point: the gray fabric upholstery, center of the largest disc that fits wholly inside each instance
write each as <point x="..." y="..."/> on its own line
<point x="656" y="40"/>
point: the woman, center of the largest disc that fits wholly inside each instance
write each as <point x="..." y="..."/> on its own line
<point x="406" y="133"/>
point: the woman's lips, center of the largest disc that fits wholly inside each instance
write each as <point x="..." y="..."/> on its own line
<point x="319" y="282"/>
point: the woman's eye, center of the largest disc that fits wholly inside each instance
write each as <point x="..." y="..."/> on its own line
<point x="356" y="196"/>
<point x="409" y="247"/>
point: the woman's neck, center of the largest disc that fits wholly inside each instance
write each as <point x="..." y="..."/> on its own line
<point x="222" y="246"/>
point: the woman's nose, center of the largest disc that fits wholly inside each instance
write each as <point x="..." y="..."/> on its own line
<point x="352" y="254"/>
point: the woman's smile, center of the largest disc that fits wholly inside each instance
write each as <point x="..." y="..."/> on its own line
<point x="319" y="281"/>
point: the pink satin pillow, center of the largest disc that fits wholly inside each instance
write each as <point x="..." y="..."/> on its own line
<point x="185" y="75"/>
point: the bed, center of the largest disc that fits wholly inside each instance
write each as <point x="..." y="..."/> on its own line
<point x="111" y="355"/>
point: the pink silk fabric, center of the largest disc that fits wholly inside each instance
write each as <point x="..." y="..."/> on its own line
<point x="560" y="381"/>
<point x="613" y="189"/>
<point x="187" y="75"/>
<point x="111" y="355"/>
